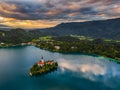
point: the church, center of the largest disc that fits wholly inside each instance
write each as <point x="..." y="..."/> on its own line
<point x="41" y="62"/>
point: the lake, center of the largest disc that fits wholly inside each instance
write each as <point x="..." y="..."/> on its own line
<point x="75" y="72"/>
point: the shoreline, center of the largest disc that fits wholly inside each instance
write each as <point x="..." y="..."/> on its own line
<point x="83" y="53"/>
<point x="65" y="52"/>
<point x="10" y="46"/>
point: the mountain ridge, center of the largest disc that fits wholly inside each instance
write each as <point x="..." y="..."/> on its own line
<point x="97" y="29"/>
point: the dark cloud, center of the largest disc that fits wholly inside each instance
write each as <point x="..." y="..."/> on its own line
<point x="60" y="9"/>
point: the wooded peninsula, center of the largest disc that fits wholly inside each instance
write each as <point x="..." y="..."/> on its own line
<point x="106" y="48"/>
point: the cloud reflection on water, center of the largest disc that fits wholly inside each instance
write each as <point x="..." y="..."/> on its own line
<point x="94" y="70"/>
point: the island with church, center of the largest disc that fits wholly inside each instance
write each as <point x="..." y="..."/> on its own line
<point x="43" y="67"/>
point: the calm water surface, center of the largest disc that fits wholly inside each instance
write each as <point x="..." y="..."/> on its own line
<point x="75" y="71"/>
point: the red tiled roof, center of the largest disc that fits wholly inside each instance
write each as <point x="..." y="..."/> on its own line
<point x="48" y="62"/>
<point x="40" y="63"/>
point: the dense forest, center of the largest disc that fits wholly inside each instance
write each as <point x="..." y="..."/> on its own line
<point x="17" y="36"/>
<point x="71" y="44"/>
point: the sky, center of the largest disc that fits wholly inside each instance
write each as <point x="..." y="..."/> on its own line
<point x="49" y="13"/>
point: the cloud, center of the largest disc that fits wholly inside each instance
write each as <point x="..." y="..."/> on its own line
<point x="27" y="24"/>
<point x="57" y="10"/>
<point x="91" y="68"/>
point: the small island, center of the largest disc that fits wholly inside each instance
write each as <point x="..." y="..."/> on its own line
<point x="43" y="67"/>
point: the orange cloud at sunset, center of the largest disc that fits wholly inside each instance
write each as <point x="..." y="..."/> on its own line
<point x="53" y="12"/>
<point x="27" y="23"/>
<point x="117" y="10"/>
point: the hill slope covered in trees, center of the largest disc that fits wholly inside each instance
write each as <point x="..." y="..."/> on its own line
<point x="109" y="29"/>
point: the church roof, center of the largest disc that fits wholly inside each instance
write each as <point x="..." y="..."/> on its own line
<point x="39" y="63"/>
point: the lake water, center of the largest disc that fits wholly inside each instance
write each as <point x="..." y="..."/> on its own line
<point x="75" y="71"/>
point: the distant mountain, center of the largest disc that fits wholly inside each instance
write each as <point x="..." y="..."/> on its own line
<point x="4" y="27"/>
<point x="97" y="29"/>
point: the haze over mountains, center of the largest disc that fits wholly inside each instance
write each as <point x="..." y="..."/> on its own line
<point x="109" y="29"/>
